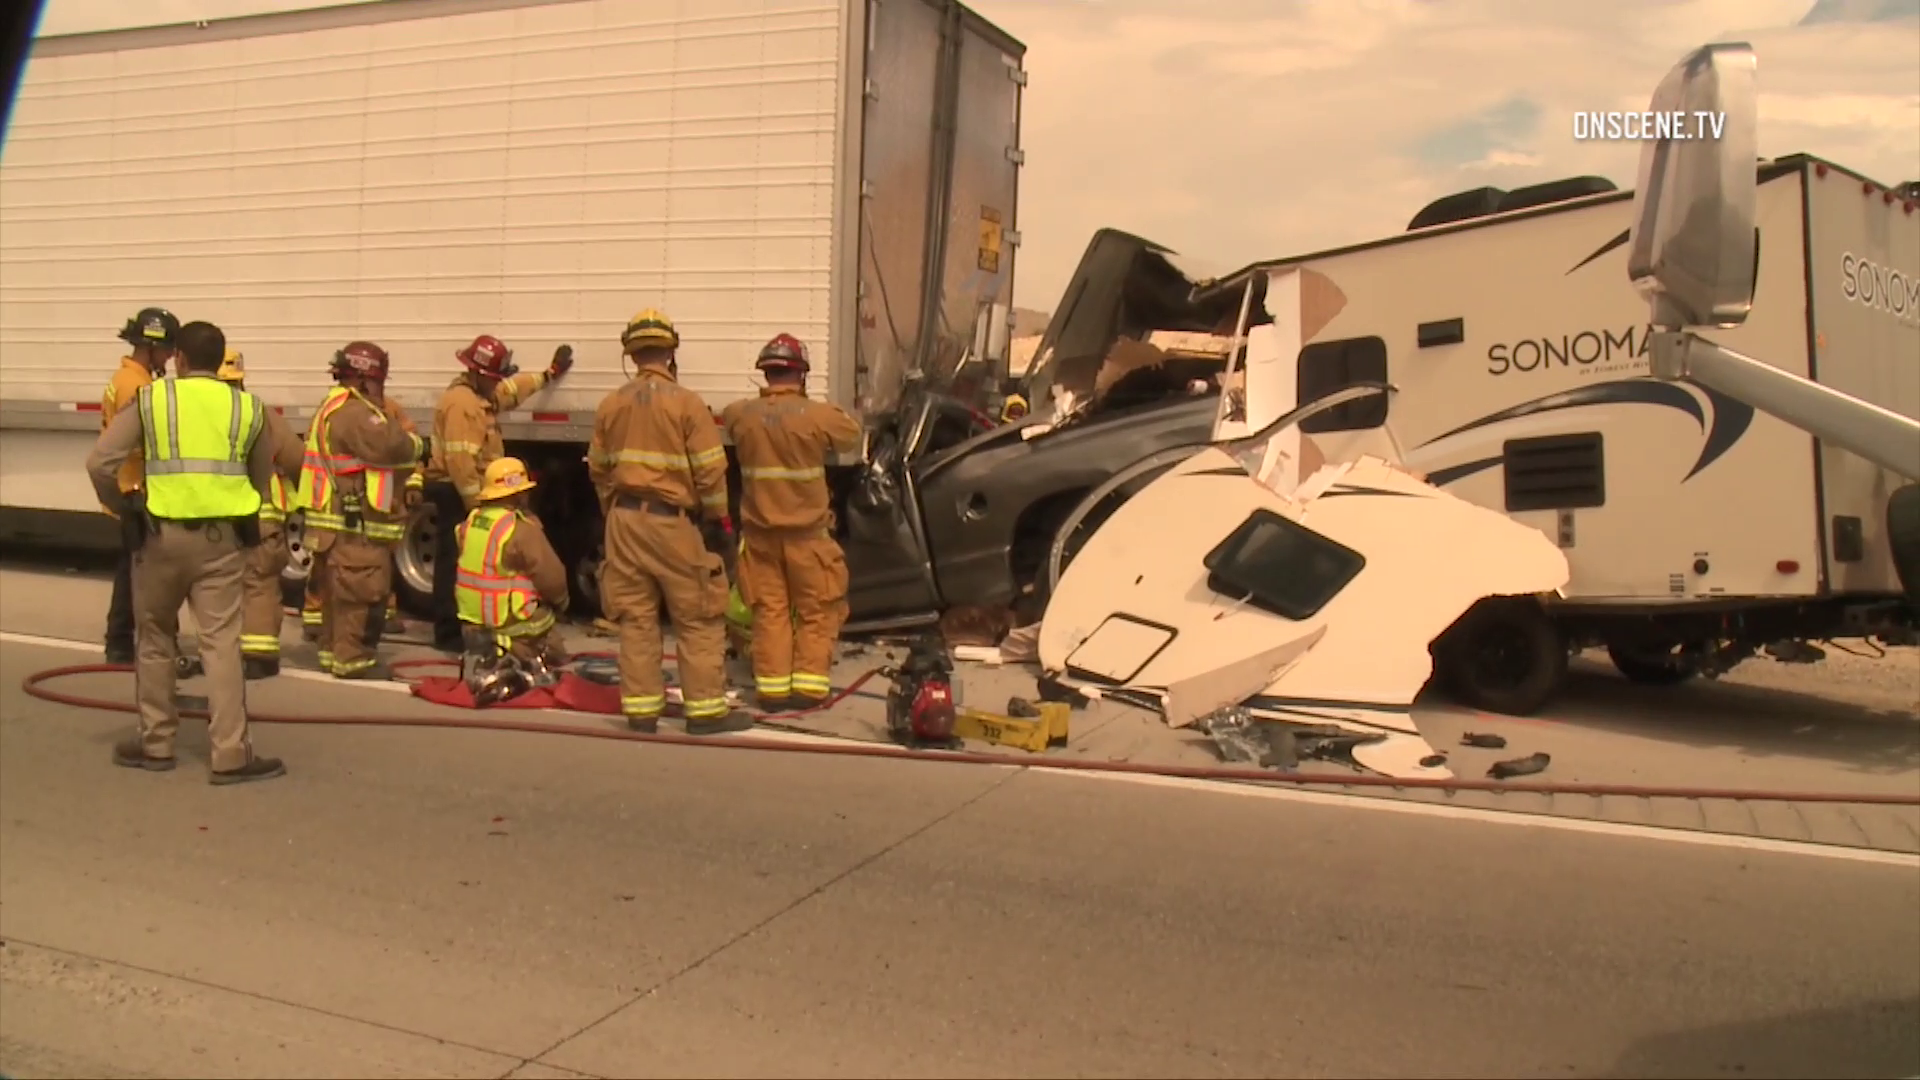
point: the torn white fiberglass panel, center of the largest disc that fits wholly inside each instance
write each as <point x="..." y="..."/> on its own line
<point x="1211" y="568"/>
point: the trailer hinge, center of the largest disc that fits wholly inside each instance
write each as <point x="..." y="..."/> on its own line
<point x="872" y="90"/>
<point x="866" y="189"/>
<point x="1018" y="75"/>
<point x="1016" y="155"/>
<point x="1011" y="237"/>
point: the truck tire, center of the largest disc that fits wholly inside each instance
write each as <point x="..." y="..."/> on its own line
<point x="1649" y="667"/>
<point x="1505" y="655"/>
<point x="1903" y="536"/>
<point x="413" y="560"/>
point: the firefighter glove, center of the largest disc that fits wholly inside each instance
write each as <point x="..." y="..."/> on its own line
<point x="562" y="362"/>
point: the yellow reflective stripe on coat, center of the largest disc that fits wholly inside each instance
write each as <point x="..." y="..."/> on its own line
<point x="708" y="456"/>
<point x="460" y="447"/>
<point x="777" y="472"/>
<point x="657" y="459"/>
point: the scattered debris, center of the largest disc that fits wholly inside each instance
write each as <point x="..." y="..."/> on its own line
<point x="1433" y="761"/>
<point x="1484" y="741"/>
<point x="1235" y="735"/>
<point x="977" y="654"/>
<point x="1050" y="688"/>
<point x="1021" y="645"/>
<point x="1021" y="708"/>
<point x="1525" y="766"/>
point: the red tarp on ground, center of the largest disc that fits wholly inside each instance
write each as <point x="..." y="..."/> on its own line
<point x="572" y="692"/>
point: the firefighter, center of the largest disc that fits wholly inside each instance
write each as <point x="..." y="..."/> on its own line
<point x="261" y="613"/>
<point x="350" y="484"/>
<point x="206" y="467"/>
<point x="1014" y="408"/>
<point x="466" y="432"/>
<point x="311" y="607"/>
<point x="149" y="336"/>
<point x="658" y="467"/>
<point x="792" y="572"/>
<point x="511" y="582"/>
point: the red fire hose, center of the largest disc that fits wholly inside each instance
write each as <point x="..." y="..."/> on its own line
<point x="33" y="684"/>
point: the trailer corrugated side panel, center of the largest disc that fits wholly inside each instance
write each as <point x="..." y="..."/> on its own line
<point x="417" y="172"/>
<point x="1863" y="273"/>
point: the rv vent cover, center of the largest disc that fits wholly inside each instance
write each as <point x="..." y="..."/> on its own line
<point x="1577" y="187"/>
<point x="1464" y="206"/>
<point x="1556" y="472"/>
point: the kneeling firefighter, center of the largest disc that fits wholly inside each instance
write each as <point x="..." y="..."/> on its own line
<point x="260" y="611"/>
<point x="510" y="583"/>
<point x="790" y="561"/>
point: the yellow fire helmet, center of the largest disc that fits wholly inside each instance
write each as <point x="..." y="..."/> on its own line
<point x="1014" y="408"/>
<point x="506" y="477"/>
<point x="234" y="367"/>
<point x="649" y="329"/>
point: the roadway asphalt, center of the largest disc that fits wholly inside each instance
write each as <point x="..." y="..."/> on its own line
<point x="414" y="903"/>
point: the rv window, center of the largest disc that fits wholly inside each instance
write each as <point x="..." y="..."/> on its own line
<point x="1280" y="566"/>
<point x="1335" y="365"/>
<point x="1556" y="472"/>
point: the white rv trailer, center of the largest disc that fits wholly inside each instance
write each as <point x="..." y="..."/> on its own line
<point x="1697" y="528"/>
<point x="416" y="172"/>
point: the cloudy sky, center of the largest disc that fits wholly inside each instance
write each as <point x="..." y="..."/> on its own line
<point x="1233" y="130"/>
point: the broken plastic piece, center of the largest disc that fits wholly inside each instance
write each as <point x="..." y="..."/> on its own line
<point x="1433" y="761"/>
<point x="1050" y="688"/>
<point x="1020" y="707"/>
<point x="1484" y="741"/>
<point x="1234" y="734"/>
<point x="1533" y="763"/>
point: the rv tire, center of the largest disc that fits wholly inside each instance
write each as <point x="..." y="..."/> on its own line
<point x="1903" y="536"/>
<point x="1650" y="667"/>
<point x="1505" y="655"/>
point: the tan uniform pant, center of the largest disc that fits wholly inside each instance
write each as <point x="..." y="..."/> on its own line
<point x="261" y="612"/>
<point x="359" y="574"/>
<point x="204" y="568"/>
<point x="651" y="559"/>
<point x="796" y="583"/>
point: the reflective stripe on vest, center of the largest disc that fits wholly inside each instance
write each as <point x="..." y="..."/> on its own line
<point x="321" y="467"/>
<point x="276" y="507"/>
<point x="486" y="593"/>
<point x="198" y="434"/>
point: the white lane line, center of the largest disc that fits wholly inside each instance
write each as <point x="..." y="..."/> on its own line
<point x="1320" y="798"/>
<point x="1512" y="817"/>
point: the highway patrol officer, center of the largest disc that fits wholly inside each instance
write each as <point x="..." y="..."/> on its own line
<point x="351" y="485"/>
<point x="205" y="471"/>
<point x="791" y="570"/>
<point x="466" y="441"/>
<point x="261" y="612"/>
<point x="149" y="336"/>
<point x="658" y="465"/>
<point x="511" y="583"/>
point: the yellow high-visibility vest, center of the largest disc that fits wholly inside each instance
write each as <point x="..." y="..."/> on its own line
<point x="199" y="432"/>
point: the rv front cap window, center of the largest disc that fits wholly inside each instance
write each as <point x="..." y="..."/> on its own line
<point x="1280" y="566"/>
<point x="1327" y="366"/>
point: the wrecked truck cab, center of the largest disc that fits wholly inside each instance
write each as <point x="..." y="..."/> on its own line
<point x="953" y="510"/>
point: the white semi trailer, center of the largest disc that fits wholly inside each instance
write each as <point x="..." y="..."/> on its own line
<point x="416" y="172"/>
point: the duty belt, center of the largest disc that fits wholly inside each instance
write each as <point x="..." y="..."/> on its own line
<point x="651" y="506"/>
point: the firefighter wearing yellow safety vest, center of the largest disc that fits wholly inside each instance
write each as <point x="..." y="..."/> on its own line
<point x="658" y="467"/>
<point x="789" y="560"/>
<point x="311" y="608"/>
<point x="466" y="441"/>
<point x="260" y="612"/>
<point x="511" y="583"/>
<point x="351" y="490"/>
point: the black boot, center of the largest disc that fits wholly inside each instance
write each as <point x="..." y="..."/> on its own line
<point x="645" y="725"/>
<point x="118" y="653"/>
<point x="132" y="754"/>
<point x="736" y="720"/>
<point x="260" y="768"/>
<point x="260" y="667"/>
